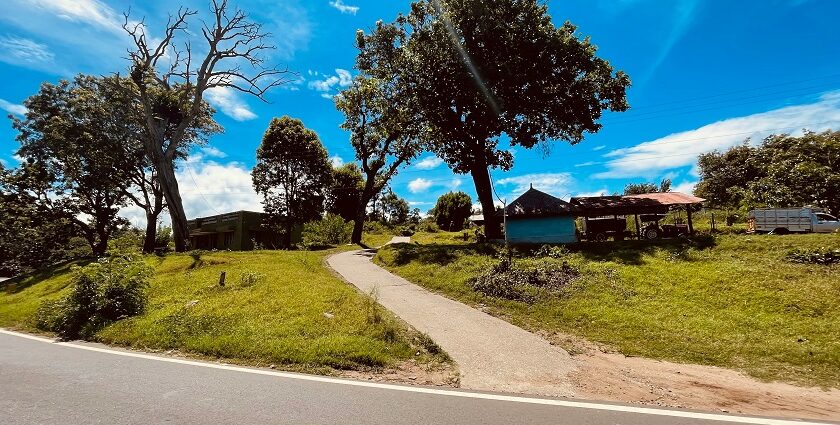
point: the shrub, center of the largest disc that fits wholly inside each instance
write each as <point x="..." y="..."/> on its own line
<point x="377" y="228"/>
<point x="820" y="256"/>
<point x="329" y="231"/>
<point x="428" y="226"/>
<point x="512" y="282"/>
<point x="111" y="289"/>
<point x="250" y="278"/>
<point x="552" y="251"/>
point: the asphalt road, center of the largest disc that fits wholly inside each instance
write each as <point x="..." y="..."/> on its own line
<point x="49" y="383"/>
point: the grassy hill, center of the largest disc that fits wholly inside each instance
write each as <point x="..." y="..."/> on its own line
<point x="277" y="307"/>
<point x="735" y="302"/>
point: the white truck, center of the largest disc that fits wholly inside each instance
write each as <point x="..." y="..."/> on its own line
<point x="792" y="220"/>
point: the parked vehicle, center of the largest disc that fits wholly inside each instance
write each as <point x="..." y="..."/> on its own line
<point x="601" y="228"/>
<point x="792" y="220"/>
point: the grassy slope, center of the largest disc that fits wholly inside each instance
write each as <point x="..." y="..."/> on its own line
<point x="738" y="304"/>
<point x="278" y="320"/>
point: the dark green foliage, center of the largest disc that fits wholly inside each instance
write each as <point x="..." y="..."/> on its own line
<point x="641" y="188"/>
<point x="783" y="171"/>
<point x="345" y="193"/>
<point x="331" y="230"/>
<point x="111" y="289"/>
<point x="293" y="174"/>
<point x="478" y="71"/>
<point x="395" y="209"/>
<point x="452" y="211"/>
<point x="520" y="283"/>
<point x="820" y="256"/>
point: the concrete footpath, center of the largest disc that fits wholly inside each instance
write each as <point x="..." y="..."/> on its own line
<point x="492" y="355"/>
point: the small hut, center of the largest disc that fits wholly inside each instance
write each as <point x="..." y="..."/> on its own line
<point x="537" y="217"/>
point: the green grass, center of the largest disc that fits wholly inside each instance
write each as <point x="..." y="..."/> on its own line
<point x="277" y="316"/>
<point x="737" y="303"/>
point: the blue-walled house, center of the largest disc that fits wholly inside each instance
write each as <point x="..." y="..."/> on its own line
<point x="539" y="218"/>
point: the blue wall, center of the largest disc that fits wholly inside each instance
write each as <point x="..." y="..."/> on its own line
<point x="541" y="230"/>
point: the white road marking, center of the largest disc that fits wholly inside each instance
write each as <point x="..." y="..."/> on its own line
<point x="435" y="391"/>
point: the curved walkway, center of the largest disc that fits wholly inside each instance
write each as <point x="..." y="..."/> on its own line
<point x="492" y="355"/>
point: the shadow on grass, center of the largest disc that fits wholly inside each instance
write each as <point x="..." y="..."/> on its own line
<point x="25" y="281"/>
<point x="438" y="254"/>
<point x="632" y="252"/>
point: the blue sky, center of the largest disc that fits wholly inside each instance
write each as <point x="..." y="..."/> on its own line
<point x="706" y="75"/>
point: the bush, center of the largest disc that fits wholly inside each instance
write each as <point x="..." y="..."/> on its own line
<point x="428" y="226"/>
<point x="329" y="231"/>
<point x="824" y="256"/>
<point x="111" y="289"/>
<point x="512" y="282"/>
<point x="377" y="228"/>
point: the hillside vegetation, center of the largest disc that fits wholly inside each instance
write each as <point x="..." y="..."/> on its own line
<point x="277" y="307"/>
<point x="735" y="301"/>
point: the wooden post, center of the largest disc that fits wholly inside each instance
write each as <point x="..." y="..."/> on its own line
<point x="688" y="216"/>
<point x="222" y="279"/>
<point x="638" y="228"/>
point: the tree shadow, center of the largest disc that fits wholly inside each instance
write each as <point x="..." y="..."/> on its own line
<point x="632" y="252"/>
<point x="438" y="254"/>
<point x="19" y="283"/>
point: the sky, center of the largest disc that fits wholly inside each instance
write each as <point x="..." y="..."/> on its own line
<point x="706" y="75"/>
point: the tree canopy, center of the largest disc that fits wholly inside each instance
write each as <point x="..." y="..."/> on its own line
<point x="345" y="193"/>
<point x="783" y="171"/>
<point x="452" y="211"/>
<point x="293" y="174"/>
<point x="641" y="188"/>
<point x="484" y="75"/>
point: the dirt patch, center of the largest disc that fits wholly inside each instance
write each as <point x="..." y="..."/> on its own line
<point x="605" y="375"/>
<point x="410" y="373"/>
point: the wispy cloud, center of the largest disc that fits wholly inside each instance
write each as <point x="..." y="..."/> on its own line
<point x="344" y="8"/>
<point x="429" y="163"/>
<point x="336" y="161"/>
<point x="230" y="103"/>
<point x="419" y="185"/>
<point x="213" y="152"/>
<point x="91" y="12"/>
<point x="650" y="159"/>
<point x="556" y="184"/>
<point x="12" y="108"/>
<point x="600" y="147"/>
<point x="24" y="52"/>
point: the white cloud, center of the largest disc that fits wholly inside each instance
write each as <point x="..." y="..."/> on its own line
<point x="456" y="183"/>
<point x="213" y="152"/>
<point x="429" y="163"/>
<point x="336" y="161"/>
<point x="599" y="147"/>
<point x="651" y="159"/>
<point x="556" y="184"/>
<point x="419" y="185"/>
<point x="342" y="78"/>
<point x="24" y="52"/>
<point x="586" y="164"/>
<point x="91" y="12"/>
<point x="344" y="8"/>
<point x="230" y="103"/>
<point x="12" y="108"/>
<point x="684" y="187"/>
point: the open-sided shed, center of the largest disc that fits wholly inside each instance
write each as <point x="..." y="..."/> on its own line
<point x="636" y="205"/>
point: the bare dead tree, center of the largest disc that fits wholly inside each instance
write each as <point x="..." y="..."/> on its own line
<point x="171" y="85"/>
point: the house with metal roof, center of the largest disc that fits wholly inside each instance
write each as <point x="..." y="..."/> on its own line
<point x="539" y="218"/>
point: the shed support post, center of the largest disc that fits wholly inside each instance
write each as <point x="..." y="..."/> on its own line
<point x="688" y="216"/>
<point x="638" y="228"/>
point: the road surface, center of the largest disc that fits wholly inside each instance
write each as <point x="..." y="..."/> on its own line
<point x="42" y="382"/>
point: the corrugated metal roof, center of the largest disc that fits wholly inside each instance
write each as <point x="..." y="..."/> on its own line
<point x="669" y="198"/>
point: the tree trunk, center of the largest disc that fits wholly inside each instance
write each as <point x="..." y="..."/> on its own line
<point x="290" y="225"/>
<point x="481" y="178"/>
<point x="169" y="185"/>
<point x="361" y="210"/>
<point x="151" y="233"/>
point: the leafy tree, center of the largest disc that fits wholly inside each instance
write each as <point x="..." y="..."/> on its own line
<point x="396" y="209"/>
<point x="170" y="84"/>
<point x="293" y="174"/>
<point x="71" y="139"/>
<point x="346" y="191"/>
<point x="452" y="211"/>
<point x="641" y="188"/>
<point x="484" y="72"/>
<point x="381" y="122"/>
<point x="783" y="171"/>
<point x="724" y="176"/>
